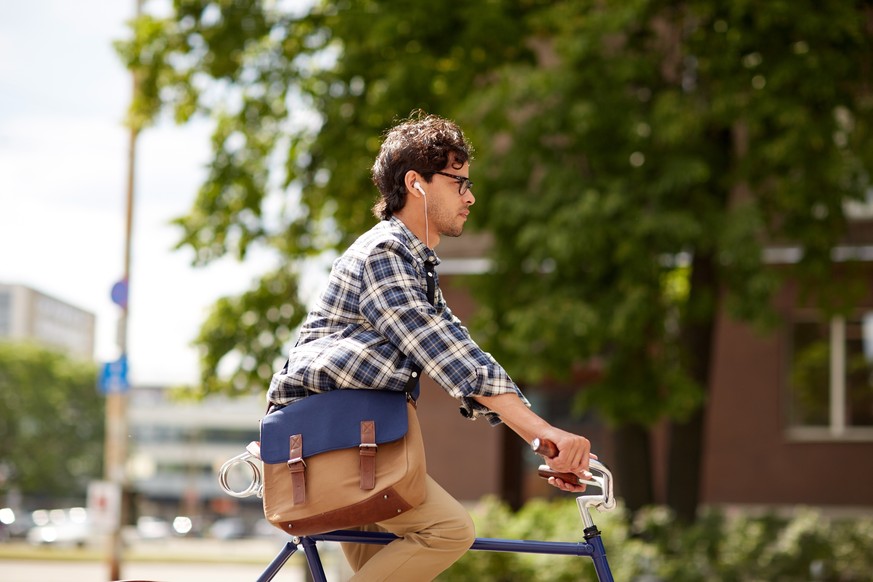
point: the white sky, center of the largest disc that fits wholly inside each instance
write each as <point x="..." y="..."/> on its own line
<point x="63" y="168"/>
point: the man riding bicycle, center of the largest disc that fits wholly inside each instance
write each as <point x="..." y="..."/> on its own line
<point x="373" y="325"/>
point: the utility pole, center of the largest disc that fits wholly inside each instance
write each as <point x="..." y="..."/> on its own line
<point x="115" y="452"/>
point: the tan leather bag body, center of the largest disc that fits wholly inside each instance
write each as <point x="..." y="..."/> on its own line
<point x="349" y="458"/>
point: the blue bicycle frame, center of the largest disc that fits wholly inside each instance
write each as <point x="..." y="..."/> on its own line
<point x="592" y="548"/>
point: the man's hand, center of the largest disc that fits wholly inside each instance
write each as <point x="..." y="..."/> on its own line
<point x="574" y="453"/>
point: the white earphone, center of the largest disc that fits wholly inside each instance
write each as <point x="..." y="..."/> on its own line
<point x="418" y="187"/>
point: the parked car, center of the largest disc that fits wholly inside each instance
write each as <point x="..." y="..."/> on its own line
<point x="68" y="527"/>
<point x="14" y="524"/>
<point x="228" y="528"/>
<point x="153" y="528"/>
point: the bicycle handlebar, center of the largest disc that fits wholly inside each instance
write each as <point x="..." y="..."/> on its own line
<point x="547" y="449"/>
<point x="601" y="478"/>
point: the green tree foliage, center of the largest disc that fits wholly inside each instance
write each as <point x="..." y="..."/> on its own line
<point x="633" y="159"/>
<point x="653" y="141"/>
<point x="665" y="130"/>
<point x="51" y="421"/>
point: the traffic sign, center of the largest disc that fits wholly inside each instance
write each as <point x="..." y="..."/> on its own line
<point x="104" y="505"/>
<point x="114" y="376"/>
<point x="119" y="293"/>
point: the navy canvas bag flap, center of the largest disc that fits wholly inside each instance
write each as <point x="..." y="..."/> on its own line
<point x="332" y="420"/>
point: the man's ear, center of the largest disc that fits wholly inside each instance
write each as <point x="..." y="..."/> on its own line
<point x="412" y="180"/>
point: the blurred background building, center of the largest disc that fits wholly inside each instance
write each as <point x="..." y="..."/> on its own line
<point x="177" y="448"/>
<point x="27" y="314"/>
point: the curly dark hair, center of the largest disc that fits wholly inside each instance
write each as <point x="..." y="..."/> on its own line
<point x="422" y="143"/>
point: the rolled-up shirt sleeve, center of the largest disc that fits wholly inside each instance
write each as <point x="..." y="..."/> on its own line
<point x="394" y="301"/>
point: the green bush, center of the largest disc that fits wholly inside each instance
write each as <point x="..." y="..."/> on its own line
<point x="653" y="546"/>
<point x="550" y="521"/>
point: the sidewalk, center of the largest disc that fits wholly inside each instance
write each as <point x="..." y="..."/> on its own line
<point x="58" y="571"/>
<point x="166" y="560"/>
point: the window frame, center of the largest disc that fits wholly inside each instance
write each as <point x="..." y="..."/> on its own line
<point x="837" y="429"/>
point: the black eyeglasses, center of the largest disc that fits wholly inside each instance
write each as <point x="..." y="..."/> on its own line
<point x="464" y="184"/>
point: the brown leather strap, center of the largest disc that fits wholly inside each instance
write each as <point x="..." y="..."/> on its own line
<point x="297" y="467"/>
<point x="368" y="455"/>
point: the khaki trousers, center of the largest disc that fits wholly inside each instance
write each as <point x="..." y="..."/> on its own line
<point x="431" y="538"/>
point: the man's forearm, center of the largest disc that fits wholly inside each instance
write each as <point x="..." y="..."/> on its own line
<point x="516" y="415"/>
<point x="574" y="451"/>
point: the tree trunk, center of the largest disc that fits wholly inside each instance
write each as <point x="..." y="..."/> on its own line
<point x="633" y="465"/>
<point x="684" y="462"/>
<point x="512" y="473"/>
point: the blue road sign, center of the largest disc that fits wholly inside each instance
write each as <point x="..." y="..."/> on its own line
<point x="119" y="294"/>
<point x="114" y="376"/>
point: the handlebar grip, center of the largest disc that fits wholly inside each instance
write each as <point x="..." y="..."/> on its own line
<point x="544" y="447"/>
<point x="545" y="472"/>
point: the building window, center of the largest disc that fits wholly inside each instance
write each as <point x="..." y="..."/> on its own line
<point x="830" y="379"/>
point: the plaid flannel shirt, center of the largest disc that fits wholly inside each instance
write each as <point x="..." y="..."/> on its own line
<point x="373" y="324"/>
